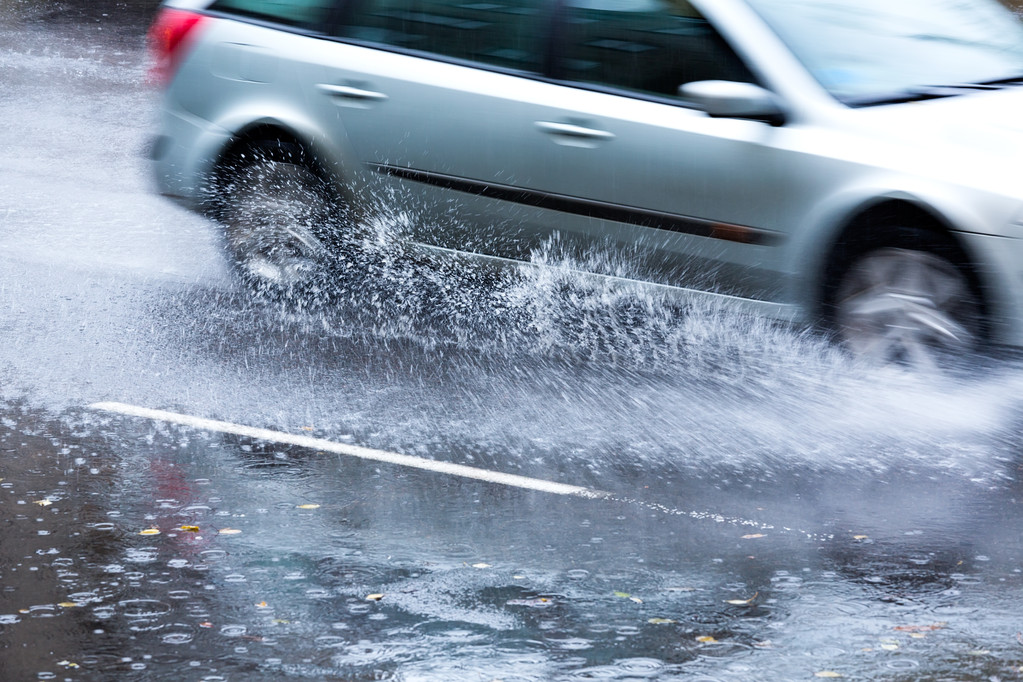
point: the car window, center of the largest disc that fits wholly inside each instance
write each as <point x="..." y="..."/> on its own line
<point x="877" y="51"/>
<point x="507" y="34"/>
<point x="304" y="13"/>
<point x="652" y="46"/>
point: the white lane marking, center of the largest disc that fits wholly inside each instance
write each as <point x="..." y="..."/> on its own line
<point x="449" y="468"/>
<point x="352" y="450"/>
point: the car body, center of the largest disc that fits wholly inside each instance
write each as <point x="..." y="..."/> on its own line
<point x="851" y="163"/>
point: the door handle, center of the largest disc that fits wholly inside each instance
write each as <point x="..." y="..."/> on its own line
<point x="575" y="131"/>
<point x="349" y="92"/>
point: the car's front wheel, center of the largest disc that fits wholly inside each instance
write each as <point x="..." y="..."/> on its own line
<point x="277" y="214"/>
<point x="915" y="306"/>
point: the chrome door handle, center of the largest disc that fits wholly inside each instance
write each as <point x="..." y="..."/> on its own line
<point x="574" y="130"/>
<point x="352" y="93"/>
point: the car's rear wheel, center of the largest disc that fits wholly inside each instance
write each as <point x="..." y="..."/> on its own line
<point x="909" y="303"/>
<point x="278" y="216"/>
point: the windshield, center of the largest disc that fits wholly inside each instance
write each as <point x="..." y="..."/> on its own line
<point x="874" y="51"/>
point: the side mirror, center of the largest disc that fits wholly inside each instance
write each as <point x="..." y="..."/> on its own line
<point x="732" y="99"/>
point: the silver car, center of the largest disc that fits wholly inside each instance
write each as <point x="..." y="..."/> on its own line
<point x="853" y="163"/>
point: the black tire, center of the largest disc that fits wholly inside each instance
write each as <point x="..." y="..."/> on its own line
<point x="279" y="219"/>
<point x="911" y="300"/>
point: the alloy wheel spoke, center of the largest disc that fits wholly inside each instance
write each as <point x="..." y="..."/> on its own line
<point x="905" y="306"/>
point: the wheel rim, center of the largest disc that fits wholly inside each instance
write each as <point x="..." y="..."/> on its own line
<point x="906" y="306"/>
<point x="274" y="216"/>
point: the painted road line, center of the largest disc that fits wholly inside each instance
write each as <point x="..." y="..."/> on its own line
<point x="440" y="467"/>
<point x="322" y="445"/>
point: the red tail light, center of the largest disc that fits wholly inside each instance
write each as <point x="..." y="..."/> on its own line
<point x="169" y="39"/>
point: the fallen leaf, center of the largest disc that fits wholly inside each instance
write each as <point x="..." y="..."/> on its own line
<point x="205" y="624"/>
<point x="537" y="602"/>
<point x="861" y="537"/>
<point x="827" y="673"/>
<point x="636" y="599"/>
<point x="261" y="605"/>
<point x="374" y="597"/>
<point x="742" y="602"/>
<point x="308" y="506"/>
<point x="661" y="621"/>
<point x="150" y="531"/>
<point x="623" y="595"/>
<point x="920" y="628"/>
<point x="68" y="664"/>
<point x="43" y="503"/>
<point x="481" y="565"/>
<point x="189" y="529"/>
<point x="706" y="639"/>
<point x="67" y="604"/>
<point x="24" y="611"/>
<point x="229" y="531"/>
<point x="753" y="536"/>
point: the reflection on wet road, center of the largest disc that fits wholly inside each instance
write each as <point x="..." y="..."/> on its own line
<point x="135" y="546"/>
<point x="771" y="511"/>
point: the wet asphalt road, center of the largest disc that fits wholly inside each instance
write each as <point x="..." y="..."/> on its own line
<point x="772" y="512"/>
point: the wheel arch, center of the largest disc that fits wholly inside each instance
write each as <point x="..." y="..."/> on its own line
<point x="262" y="132"/>
<point x="895" y="222"/>
<point x="318" y="157"/>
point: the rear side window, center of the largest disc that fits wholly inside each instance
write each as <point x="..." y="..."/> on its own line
<point x="505" y="33"/>
<point x="651" y="46"/>
<point x="311" y="14"/>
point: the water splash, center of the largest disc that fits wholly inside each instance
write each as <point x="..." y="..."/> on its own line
<point x="546" y="358"/>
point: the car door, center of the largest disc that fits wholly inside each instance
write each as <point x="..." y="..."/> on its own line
<point x="685" y="198"/>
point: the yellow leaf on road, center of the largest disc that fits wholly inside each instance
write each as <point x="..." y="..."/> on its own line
<point x="920" y="628"/>
<point x="190" y="529"/>
<point x="661" y="621"/>
<point x="150" y="531"/>
<point x="742" y="602"/>
<point x="67" y="604"/>
<point x="374" y="597"/>
<point x="43" y="503"/>
<point x="706" y="639"/>
<point x="308" y="506"/>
